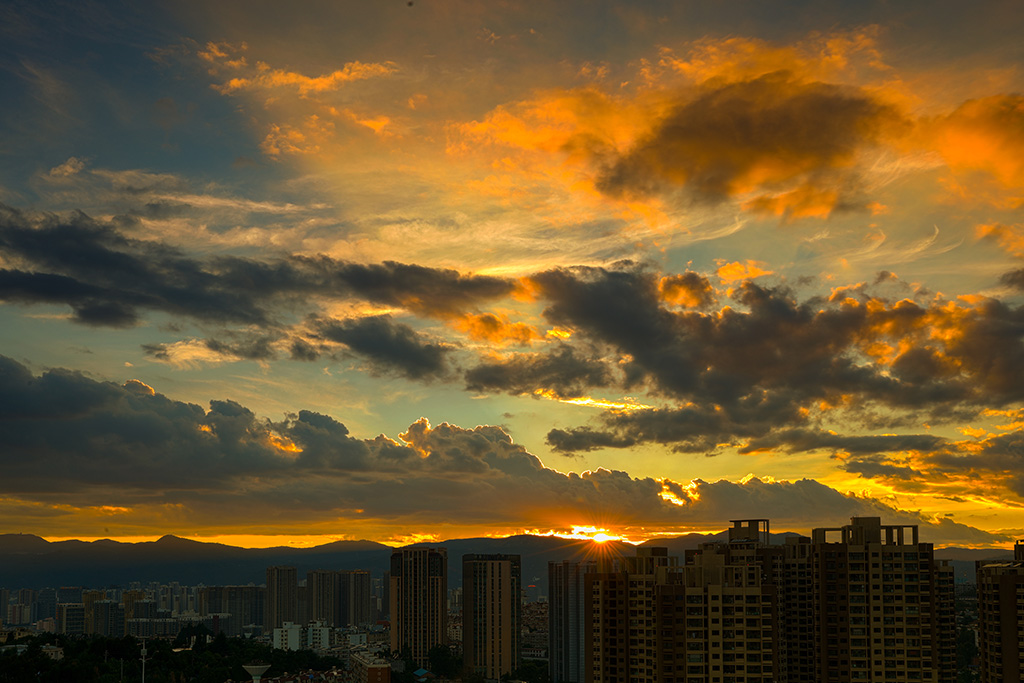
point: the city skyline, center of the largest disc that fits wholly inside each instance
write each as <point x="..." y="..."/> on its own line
<point x="414" y="271"/>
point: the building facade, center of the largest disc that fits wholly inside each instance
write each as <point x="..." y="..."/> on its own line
<point x="883" y="606"/>
<point x="282" y="601"/>
<point x="418" y="593"/>
<point x="862" y="602"/>
<point x="620" y="633"/>
<point x="491" y="614"/>
<point x="565" y="620"/>
<point x="1001" y="618"/>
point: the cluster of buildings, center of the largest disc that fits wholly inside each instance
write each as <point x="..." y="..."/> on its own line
<point x="328" y="599"/>
<point x="491" y="615"/>
<point x="114" y="612"/>
<point x="862" y="602"/>
<point x="1001" y="618"/>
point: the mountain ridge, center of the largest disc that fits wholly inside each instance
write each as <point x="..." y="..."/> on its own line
<point x="31" y="561"/>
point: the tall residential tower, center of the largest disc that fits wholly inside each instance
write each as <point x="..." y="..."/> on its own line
<point x="419" y="600"/>
<point x="491" y="614"/>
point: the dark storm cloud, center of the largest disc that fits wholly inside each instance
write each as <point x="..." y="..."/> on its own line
<point x="69" y="438"/>
<point x="820" y="504"/>
<point x="98" y="265"/>
<point x="758" y="367"/>
<point x="110" y="279"/>
<point x="697" y="427"/>
<point x="743" y="372"/>
<point x="1014" y="278"/>
<point x="428" y="291"/>
<point x="621" y="307"/>
<point x="303" y="350"/>
<point x="562" y="371"/>
<point x="986" y="464"/>
<point x="770" y="131"/>
<point x="256" y="347"/>
<point x="90" y="305"/>
<point x="723" y="358"/>
<point x="389" y="346"/>
<point x="811" y="439"/>
<point x="70" y="430"/>
<point x="874" y="467"/>
<point x="251" y="347"/>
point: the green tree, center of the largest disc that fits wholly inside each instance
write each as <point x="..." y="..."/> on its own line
<point x="530" y="671"/>
<point x="443" y="662"/>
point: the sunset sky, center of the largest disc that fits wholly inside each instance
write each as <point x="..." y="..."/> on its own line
<point x="282" y="273"/>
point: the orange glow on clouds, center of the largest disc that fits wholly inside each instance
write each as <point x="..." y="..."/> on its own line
<point x="803" y="202"/>
<point x="586" y="401"/>
<point x="283" y="444"/>
<point x="736" y="271"/>
<point x="587" y="533"/>
<point x="263" y="77"/>
<point x="986" y="134"/>
<point x="496" y="329"/>
<point x="1009" y="237"/>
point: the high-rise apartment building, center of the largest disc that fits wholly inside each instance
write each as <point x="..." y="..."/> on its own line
<point x="863" y="602"/>
<point x="491" y="614"/>
<point x="620" y="632"/>
<point x="282" y="602"/>
<point x="108" y="619"/>
<point x="90" y="598"/>
<point x="71" y="618"/>
<point x="718" y="616"/>
<point x="418" y="593"/>
<point x="1001" y="618"/>
<point x="339" y="598"/>
<point x="45" y="605"/>
<point x="883" y="606"/>
<point x="565" y="620"/>
<point x="243" y="605"/>
<point x="322" y="596"/>
<point x="355" y="591"/>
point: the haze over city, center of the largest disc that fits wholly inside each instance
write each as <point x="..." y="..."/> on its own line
<point x="414" y="271"/>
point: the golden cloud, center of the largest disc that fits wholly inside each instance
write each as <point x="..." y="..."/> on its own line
<point x="783" y="129"/>
<point x="1009" y="237"/>
<point x="690" y="290"/>
<point x="736" y="271"/>
<point x="266" y="78"/>
<point x="985" y="135"/>
<point x="496" y="329"/>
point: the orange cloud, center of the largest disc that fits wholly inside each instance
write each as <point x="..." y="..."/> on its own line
<point x="1009" y="237"/>
<point x="276" y="78"/>
<point x="781" y="128"/>
<point x="803" y="142"/>
<point x="262" y="77"/>
<point x="806" y="201"/>
<point x="575" y="122"/>
<point x="986" y="135"/>
<point x="689" y="289"/>
<point x="842" y="55"/>
<point x="736" y="271"/>
<point x="496" y="329"/>
<point x="308" y="137"/>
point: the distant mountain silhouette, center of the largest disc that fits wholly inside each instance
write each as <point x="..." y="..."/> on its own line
<point x="28" y="561"/>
